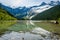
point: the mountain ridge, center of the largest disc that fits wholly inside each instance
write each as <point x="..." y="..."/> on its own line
<point x="22" y="12"/>
<point x="51" y="14"/>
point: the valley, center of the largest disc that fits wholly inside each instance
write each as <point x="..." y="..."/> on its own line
<point x="39" y="22"/>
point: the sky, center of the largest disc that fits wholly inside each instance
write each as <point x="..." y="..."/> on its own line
<point x="22" y="3"/>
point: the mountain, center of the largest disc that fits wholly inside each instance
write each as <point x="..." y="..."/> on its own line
<point x="58" y="2"/>
<point x="50" y="14"/>
<point x="53" y="3"/>
<point x="38" y="10"/>
<point x="43" y="3"/>
<point x="24" y="12"/>
<point x="5" y="15"/>
<point x="43" y="6"/>
<point x="17" y="12"/>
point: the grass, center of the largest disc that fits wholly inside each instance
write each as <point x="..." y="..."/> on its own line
<point x="55" y="28"/>
<point x="4" y="26"/>
<point x="5" y="20"/>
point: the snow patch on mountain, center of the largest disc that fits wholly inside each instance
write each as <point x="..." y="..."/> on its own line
<point x="41" y="9"/>
<point x="38" y="10"/>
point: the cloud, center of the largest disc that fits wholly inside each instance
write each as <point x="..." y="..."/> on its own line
<point x="17" y="3"/>
<point x="21" y="3"/>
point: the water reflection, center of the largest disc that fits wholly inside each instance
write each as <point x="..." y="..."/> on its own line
<point x="28" y="30"/>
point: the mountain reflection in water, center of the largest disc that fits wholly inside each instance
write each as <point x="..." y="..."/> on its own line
<point x="27" y="30"/>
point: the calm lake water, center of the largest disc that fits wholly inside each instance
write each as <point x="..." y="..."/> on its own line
<point x="31" y="30"/>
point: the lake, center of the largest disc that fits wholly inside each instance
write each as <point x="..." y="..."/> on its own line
<point x="29" y="30"/>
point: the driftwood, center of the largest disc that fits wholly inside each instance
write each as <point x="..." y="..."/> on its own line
<point x="57" y="22"/>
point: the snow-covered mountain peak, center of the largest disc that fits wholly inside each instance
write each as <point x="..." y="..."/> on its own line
<point x="53" y="3"/>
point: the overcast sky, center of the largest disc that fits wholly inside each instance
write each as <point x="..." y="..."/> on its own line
<point x="21" y="3"/>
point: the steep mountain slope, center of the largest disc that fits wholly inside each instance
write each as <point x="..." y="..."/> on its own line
<point x="4" y="15"/>
<point x="51" y="14"/>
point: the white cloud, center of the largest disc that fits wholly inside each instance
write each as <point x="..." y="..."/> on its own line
<point x="17" y="3"/>
<point x="21" y="3"/>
